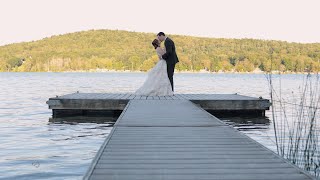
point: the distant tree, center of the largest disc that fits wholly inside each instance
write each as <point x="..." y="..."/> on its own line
<point x="119" y="50"/>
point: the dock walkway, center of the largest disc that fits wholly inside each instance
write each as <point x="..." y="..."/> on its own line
<point x="175" y="139"/>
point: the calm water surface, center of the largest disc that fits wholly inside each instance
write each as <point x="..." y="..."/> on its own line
<point x="34" y="148"/>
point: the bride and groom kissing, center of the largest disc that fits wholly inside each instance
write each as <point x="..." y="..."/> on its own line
<point x="160" y="78"/>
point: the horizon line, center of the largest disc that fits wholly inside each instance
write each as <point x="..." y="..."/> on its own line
<point x="174" y="34"/>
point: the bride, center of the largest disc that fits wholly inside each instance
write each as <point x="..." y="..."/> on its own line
<point x="157" y="82"/>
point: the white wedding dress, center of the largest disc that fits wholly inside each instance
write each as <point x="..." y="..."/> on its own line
<point x="157" y="82"/>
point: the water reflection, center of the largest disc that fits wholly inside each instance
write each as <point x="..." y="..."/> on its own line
<point x="108" y="121"/>
<point x="247" y="123"/>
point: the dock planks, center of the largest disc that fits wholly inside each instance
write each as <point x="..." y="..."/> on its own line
<point x="175" y="139"/>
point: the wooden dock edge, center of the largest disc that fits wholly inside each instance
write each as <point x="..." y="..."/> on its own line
<point x="259" y="144"/>
<point x="63" y="107"/>
<point x="280" y="157"/>
<point x="102" y="147"/>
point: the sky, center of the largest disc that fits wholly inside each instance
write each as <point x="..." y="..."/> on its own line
<point x="286" y="20"/>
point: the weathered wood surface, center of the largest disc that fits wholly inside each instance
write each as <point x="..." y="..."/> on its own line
<point x="106" y="101"/>
<point x="176" y="96"/>
<point x="175" y="139"/>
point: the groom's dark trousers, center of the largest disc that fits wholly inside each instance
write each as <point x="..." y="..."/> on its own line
<point x="170" y="71"/>
<point x="171" y="57"/>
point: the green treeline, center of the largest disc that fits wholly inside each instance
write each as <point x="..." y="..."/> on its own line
<point x="123" y="50"/>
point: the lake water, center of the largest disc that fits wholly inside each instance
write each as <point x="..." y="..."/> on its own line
<point x="34" y="148"/>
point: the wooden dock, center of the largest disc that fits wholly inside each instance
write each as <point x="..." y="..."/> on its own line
<point x="175" y="139"/>
<point x="76" y="104"/>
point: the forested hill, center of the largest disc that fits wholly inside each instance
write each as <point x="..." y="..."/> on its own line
<point x="123" y="50"/>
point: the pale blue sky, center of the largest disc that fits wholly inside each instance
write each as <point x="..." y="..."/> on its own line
<point x="288" y="20"/>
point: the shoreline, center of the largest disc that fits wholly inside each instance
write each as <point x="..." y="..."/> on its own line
<point x="144" y="72"/>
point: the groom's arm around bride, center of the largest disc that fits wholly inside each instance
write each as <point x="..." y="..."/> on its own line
<point x="168" y="45"/>
<point x="170" y="56"/>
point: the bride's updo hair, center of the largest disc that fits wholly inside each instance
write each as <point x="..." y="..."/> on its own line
<point x="155" y="43"/>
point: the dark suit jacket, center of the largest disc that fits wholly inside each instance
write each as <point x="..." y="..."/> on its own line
<point x="170" y="56"/>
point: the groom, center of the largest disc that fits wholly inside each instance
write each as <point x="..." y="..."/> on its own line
<point x="170" y="56"/>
